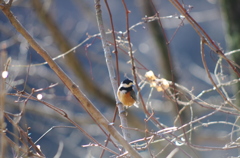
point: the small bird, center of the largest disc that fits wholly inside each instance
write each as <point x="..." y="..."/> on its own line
<point x="126" y="94"/>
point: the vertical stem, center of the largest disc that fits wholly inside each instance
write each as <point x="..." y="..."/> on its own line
<point x="108" y="57"/>
<point x="3" y="57"/>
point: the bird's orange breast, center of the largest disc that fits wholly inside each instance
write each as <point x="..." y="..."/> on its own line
<point x="126" y="98"/>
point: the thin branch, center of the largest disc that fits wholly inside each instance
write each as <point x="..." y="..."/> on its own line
<point x="202" y="42"/>
<point x="3" y="59"/>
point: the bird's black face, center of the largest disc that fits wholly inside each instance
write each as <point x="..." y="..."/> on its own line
<point x="127" y="83"/>
<point x="126" y="86"/>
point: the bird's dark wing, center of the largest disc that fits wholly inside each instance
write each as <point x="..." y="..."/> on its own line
<point x="133" y="95"/>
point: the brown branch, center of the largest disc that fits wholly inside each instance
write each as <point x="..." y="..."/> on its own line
<point x="202" y="34"/>
<point x="64" y="45"/>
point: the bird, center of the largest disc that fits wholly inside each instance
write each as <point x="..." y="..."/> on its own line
<point x="126" y="93"/>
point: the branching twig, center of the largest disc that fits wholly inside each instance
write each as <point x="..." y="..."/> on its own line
<point x="83" y="100"/>
<point x="64" y="114"/>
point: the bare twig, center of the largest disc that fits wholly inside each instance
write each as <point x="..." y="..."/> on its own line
<point x="203" y="41"/>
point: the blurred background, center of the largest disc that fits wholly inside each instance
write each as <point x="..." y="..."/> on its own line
<point x="60" y="25"/>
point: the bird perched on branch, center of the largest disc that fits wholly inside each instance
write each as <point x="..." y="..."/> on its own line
<point x="126" y="94"/>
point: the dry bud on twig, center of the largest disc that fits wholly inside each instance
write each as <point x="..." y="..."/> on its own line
<point x="160" y="84"/>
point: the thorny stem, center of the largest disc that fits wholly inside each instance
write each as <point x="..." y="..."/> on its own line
<point x="131" y="54"/>
<point x="153" y="119"/>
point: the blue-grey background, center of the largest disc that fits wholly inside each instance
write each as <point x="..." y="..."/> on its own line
<point x="76" y="19"/>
